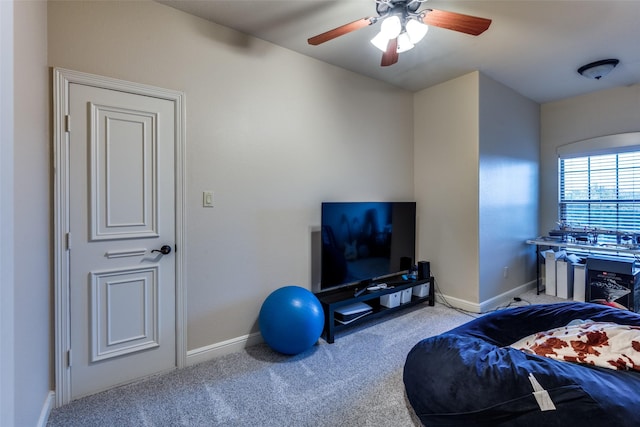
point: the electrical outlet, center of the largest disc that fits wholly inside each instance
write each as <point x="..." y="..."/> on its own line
<point x="505" y="272"/>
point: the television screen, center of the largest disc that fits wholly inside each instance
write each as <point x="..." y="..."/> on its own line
<point x="364" y="241"/>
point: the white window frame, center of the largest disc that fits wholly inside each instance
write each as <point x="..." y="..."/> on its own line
<point x="610" y="144"/>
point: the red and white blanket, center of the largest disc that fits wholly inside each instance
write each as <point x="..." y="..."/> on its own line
<point x="608" y="345"/>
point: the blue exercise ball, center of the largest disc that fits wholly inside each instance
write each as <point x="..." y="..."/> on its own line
<point x="291" y="319"/>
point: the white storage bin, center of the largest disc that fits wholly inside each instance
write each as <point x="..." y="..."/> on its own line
<point x="421" y="291"/>
<point x="390" y="300"/>
<point x="405" y="296"/>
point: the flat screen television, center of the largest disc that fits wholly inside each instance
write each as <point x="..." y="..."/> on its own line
<point x="366" y="241"/>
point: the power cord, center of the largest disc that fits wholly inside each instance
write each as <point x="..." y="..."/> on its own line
<point x="446" y="303"/>
<point x="512" y="303"/>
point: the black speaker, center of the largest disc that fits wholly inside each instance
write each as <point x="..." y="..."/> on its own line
<point x="405" y="263"/>
<point x="424" y="270"/>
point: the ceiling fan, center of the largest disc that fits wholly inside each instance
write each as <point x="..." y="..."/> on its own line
<point x="403" y="26"/>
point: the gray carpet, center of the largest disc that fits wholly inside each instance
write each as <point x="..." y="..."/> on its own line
<point x="357" y="381"/>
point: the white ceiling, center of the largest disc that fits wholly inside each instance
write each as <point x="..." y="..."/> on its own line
<point x="532" y="46"/>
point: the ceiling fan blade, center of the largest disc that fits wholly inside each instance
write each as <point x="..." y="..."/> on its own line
<point x="341" y="30"/>
<point x="456" y="21"/>
<point x="390" y="56"/>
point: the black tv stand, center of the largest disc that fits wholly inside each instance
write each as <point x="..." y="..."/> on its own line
<point x="334" y="299"/>
<point x="359" y="292"/>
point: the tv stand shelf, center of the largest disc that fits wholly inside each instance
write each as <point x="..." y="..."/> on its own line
<point x="334" y="299"/>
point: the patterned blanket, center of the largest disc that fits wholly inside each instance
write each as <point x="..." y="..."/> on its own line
<point x="604" y="344"/>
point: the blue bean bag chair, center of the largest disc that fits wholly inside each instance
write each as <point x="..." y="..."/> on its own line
<point x="471" y="376"/>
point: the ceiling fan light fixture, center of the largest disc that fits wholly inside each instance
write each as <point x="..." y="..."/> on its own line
<point x="597" y="70"/>
<point x="416" y="30"/>
<point x="389" y="29"/>
<point x="402" y="26"/>
<point x="404" y="42"/>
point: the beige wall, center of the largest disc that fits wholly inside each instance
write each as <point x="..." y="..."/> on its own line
<point x="271" y="132"/>
<point x="574" y="119"/>
<point x="32" y="214"/>
<point x="446" y="163"/>
<point x="476" y="181"/>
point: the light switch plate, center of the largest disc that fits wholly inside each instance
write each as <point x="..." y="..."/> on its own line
<point x="207" y="199"/>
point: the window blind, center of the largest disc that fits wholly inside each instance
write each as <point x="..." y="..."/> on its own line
<point x="601" y="191"/>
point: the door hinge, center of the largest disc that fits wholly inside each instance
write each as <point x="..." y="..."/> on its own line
<point x="67" y="123"/>
<point x="69" y="358"/>
<point x="68" y="241"/>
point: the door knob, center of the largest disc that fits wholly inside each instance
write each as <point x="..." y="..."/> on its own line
<point x="164" y="250"/>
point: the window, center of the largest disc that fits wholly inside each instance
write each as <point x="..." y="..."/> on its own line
<point x="601" y="191"/>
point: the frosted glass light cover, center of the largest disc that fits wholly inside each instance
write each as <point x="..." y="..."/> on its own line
<point x="380" y="41"/>
<point x="416" y="30"/>
<point x="598" y="71"/>
<point x="404" y="43"/>
<point x="391" y="27"/>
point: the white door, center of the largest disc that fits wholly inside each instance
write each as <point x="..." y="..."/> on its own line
<point x="122" y="293"/>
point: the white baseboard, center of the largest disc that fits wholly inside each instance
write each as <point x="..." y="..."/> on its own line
<point x="462" y="304"/>
<point x="488" y="305"/>
<point x="46" y="409"/>
<point x="233" y="345"/>
<point x="506" y="297"/>
<point x="213" y="351"/>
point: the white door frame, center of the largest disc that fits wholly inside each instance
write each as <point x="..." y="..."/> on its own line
<point x="61" y="80"/>
<point x="7" y="284"/>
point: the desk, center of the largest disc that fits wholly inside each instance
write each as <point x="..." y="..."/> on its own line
<point x="579" y="248"/>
